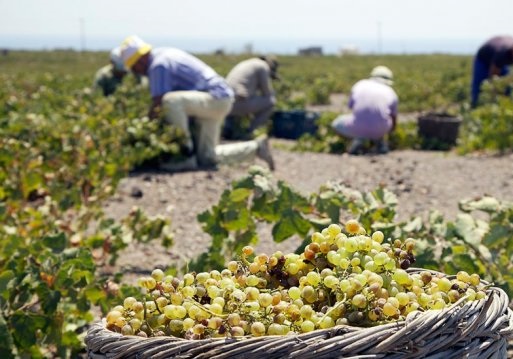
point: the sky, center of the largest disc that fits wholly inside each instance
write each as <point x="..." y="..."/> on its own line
<point x="383" y="26"/>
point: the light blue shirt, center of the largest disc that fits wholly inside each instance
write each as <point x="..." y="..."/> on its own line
<point x="172" y="69"/>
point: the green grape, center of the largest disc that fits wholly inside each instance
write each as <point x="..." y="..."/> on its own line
<point x="334" y="230"/>
<point x="308" y="292"/>
<point x="251" y="306"/>
<point x="371" y="266"/>
<point x="113" y="316"/>
<point x="364" y="243"/>
<point x="403" y="298"/>
<point x="157" y="274"/>
<point x="378" y="236"/>
<point x="307" y="326"/>
<point x="437" y="304"/>
<point x="313" y="278"/>
<point x="475" y="280"/>
<point x="318" y="237"/>
<point x="177" y="298"/>
<point x="238" y="295"/>
<point x="359" y="301"/>
<point x="216" y="308"/>
<point x="252" y="280"/>
<point x="390" y="264"/>
<point x="293" y="268"/>
<point x="236" y="332"/>
<point x="233" y="319"/>
<point x="306" y="311"/>
<point x="471" y="294"/>
<point x="202" y="277"/>
<point x="129" y="302"/>
<point x="390" y="310"/>
<point x="265" y="299"/>
<point x="120" y="322"/>
<point x="345" y="285"/>
<point x="351" y="245"/>
<point x="252" y="293"/>
<point x="215" y="323"/>
<point x="127" y="330"/>
<point x="275" y="329"/>
<point x="227" y="283"/>
<point x="463" y="276"/>
<point x="380" y="258"/>
<point x="294" y="293"/>
<point x="361" y="278"/>
<point x="257" y="329"/>
<point x="175" y="325"/>
<point x="188" y="323"/>
<point x="213" y="291"/>
<point x="188" y="279"/>
<point x="480" y="295"/>
<point x="215" y="274"/>
<point x="333" y="257"/>
<point x="401" y="276"/>
<point x="198" y="329"/>
<point x="326" y="322"/>
<point x="424" y="299"/>
<point x="331" y="281"/>
<point x="444" y="284"/>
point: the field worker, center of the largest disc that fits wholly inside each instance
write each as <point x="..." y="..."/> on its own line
<point x="492" y="59"/>
<point x="374" y="111"/>
<point x="183" y="87"/>
<point x="109" y="77"/>
<point x="254" y="94"/>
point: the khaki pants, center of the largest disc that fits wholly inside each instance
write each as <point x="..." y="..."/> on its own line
<point x="209" y="114"/>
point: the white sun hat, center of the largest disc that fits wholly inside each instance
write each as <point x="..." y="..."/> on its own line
<point x="383" y="74"/>
<point x="116" y="60"/>
<point x="132" y="49"/>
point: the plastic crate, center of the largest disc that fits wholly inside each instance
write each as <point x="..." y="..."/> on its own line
<point x="293" y="124"/>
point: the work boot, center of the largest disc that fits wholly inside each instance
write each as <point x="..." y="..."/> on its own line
<point x="189" y="164"/>
<point x="382" y="146"/>
<point x="264" y="150"/>
<point x="356" y="147"/>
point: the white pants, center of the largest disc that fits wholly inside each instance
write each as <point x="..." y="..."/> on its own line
<point x="209" y="114"/>
<point x="233" y="153"/>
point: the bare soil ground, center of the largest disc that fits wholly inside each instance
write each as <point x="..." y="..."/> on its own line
<point x="422" y="181"/>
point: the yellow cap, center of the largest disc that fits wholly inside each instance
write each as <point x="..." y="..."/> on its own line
<point x="132" y="49"/>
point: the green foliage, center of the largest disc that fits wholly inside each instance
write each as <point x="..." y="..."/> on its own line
<point x="325" y="138"/>
<point x="63" y="150"/>
<point x="256" y="198"/>
<point x="490" y="126"/>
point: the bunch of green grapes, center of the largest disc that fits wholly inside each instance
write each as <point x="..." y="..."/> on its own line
<point x="343" y="277"/>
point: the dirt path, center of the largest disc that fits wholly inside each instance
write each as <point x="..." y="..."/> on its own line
<point x="421" y="180"/>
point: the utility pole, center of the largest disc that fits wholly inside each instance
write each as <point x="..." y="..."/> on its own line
<point x="82" y="35"/>
<point x="380" y="49"/>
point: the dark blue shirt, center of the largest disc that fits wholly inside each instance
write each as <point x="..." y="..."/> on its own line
<point x="497" y="51"/>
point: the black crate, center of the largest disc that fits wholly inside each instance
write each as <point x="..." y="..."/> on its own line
<point x="293" y="124"/>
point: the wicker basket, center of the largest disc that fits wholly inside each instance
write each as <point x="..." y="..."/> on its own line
<point x="478" y="329"/>
<point x="440" y="127"/>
